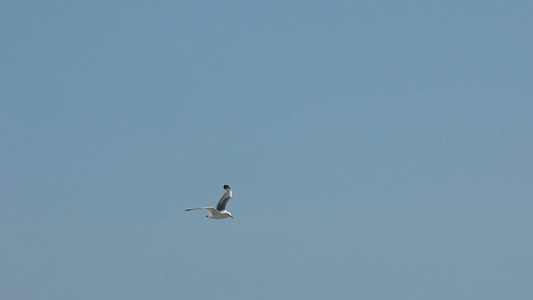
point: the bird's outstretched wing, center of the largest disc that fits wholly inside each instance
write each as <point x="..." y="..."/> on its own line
<point x="221" y="206"/>
<point x="189" y="209"/>
<point x="209" y="208"/>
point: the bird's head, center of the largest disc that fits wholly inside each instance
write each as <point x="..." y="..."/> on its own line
<point x="226" y="187"/>
<point x="229" y="214"/>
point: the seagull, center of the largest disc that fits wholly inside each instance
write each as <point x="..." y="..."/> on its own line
<point x="219" y="212"/>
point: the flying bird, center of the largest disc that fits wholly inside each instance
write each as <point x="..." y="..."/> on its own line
<point x="219" y="212"/>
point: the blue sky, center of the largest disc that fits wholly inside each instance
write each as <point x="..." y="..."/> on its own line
<point x="376" y="150"/>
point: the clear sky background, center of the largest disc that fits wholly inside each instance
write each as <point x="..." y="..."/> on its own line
<point x="376" y="149"/>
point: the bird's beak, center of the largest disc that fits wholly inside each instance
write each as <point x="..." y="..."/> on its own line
<point x="231" y="217"/>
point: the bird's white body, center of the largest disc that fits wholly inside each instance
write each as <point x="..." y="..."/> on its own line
<point x="215" y="214"/>
<point x="220" y="211"/>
